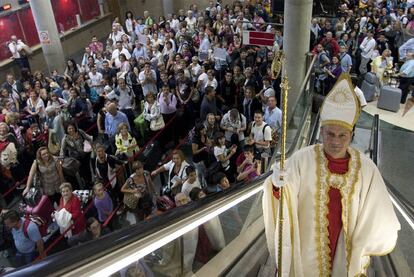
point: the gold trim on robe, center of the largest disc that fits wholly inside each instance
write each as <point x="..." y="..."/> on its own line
<point x="369" y="221"/>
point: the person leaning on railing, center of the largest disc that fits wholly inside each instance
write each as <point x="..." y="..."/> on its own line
<point x="176" y="173"/>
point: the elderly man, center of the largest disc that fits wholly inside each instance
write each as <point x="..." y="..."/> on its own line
<point x="124" y="96"/>
<point x="337" y="211"/>
<point x="330" y="45"/>
<point x="113" y="118"/>
<point x="406" y="76"/>
<point x="273" y="115"/>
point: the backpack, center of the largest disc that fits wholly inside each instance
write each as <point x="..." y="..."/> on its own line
<point x="40" y="222"/>
<point x="275" y="137"/>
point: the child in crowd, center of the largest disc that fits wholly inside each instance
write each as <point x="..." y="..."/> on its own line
<point x="191" y="182"/>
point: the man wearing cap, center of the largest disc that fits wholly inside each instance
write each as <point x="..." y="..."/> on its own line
<point x="337" y="211"/>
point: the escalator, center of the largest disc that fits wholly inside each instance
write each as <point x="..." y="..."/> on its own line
<point x="164" y="245"/>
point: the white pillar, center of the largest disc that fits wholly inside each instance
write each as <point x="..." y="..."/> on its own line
<point x="168" y="6"/>
<point x="48" y="34"/>
<point x="296" y="39"/>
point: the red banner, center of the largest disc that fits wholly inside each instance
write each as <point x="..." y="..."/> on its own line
<point x="258" y="38"/>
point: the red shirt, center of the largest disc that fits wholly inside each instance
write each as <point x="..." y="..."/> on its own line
<point x="74" y="207"/>
<point x="338" y="166"/>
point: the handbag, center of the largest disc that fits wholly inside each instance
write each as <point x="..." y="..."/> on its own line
<point x="130" y="199"/>
<point x="157" y="123"/>
<point x="52" y="146"/>
<point x="33" y="196"/>
<point x="87" y="146"/>
<point x="70" y="166"/>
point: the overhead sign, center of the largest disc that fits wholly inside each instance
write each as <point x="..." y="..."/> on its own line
<point x="258" y="38"/>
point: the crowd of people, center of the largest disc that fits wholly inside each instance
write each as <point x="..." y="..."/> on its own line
<point x="365" y="37"/>
<point x="185" y="78"/>
<point x="81" y="136"/>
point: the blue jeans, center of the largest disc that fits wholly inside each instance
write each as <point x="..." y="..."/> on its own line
<point x="22" y="259"/>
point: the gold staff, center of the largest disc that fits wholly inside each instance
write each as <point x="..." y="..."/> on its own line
<point x="284" y="85"/>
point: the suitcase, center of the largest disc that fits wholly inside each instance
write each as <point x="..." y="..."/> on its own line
<point x="44" y="209"/>
<point x="151" y="156"/>
<point x="370" y="86"/>
<point x="368" y="90"/>
<point x="389" y="99"/>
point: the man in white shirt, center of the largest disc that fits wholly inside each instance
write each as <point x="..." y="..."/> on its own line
<point x="116" y="35"/>
<point x="191" y="20"/>
<point x="88" y="52"/>
<point x="204" y="47"/>
<point x="367" y="46"/>
<point x="260" y="135"/>
<point x="115" y="54"/>
<point x="148" y="79"/>
<point x="125" y="98"/>
<point x="19" y="54"/>
<point x="96" y="80"/>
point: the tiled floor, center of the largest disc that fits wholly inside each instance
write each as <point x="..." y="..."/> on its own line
<point x="394" y="118"/>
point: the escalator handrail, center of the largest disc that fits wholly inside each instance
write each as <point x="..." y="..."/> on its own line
<point x="175" y="219"/>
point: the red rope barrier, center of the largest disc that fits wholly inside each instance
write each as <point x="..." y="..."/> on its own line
<point x="14" y="187"/>
<point x="91" y="128"/>
<point x="111" y="216"/>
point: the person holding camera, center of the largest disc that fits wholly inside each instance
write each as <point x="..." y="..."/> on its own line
<point x="247" y="167"/>
<point x="224" y="154"/>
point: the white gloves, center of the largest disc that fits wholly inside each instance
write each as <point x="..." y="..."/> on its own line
<point x="278" y="177"/>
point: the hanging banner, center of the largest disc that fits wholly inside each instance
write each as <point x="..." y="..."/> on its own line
<point x="258" y="38"/>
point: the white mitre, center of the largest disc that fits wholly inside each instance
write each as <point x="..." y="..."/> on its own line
<point x="341" y="106"/>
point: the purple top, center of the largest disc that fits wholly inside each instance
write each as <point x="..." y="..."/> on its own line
<point x="104" y="207"/>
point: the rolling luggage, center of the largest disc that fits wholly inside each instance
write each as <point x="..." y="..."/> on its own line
<point x="151" y="156"/>
<point x="43" y="209"/>
<point x="389" y="99"/>
<point x="370" y="86"/>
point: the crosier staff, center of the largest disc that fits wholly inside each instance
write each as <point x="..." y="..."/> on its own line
<point x="284" y="85"/>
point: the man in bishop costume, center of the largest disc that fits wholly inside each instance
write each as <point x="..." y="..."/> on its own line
<point x="337" y="211"/>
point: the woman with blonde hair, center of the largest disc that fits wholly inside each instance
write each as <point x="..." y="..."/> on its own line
<point x="48" y="171"/>
<point x="126" y="144"/>
<point x="176" y="173"/>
